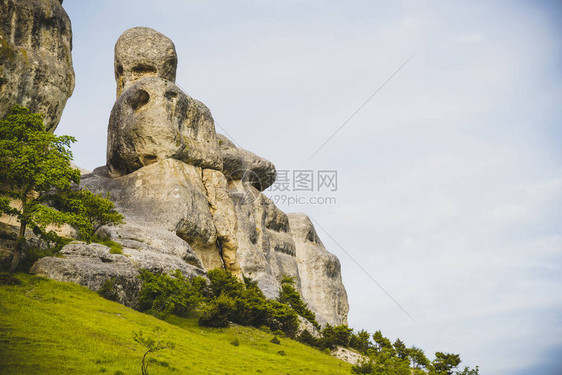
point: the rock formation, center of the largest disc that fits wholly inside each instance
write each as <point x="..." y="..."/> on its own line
<point x="320" y="271"/>
<point x="192" y="199"/>
<point x="35" y="57"/>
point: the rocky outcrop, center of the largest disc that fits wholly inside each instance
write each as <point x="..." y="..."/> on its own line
<point x="240" y="164"/>
<point x="349" y="355"/>
<point x="35" y="57"/>
<point x="192" y="200"/>
<point x="320" y="271"/>
<point x="168" y="195"/>
<point x="266" y="250"/>
<point x="92" y="265"/>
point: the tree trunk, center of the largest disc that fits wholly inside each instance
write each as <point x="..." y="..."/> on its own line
<point x="19" y="245"/>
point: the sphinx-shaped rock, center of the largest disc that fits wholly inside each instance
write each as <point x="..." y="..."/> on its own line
<point x="35" y="57"/>
<point x="240" y="164"/>
<point x="320" y="271"/>
<point x="192" y="200"/>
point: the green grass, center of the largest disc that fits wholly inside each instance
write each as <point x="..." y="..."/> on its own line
<point x="48" y="327"/>
<point x="114" y="247"/>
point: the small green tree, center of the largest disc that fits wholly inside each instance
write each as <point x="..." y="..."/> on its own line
<point x="361" y="341"/>
<point x="444" y="363"/>
<point x="333" y="336"/>
<point x="400" y="348"/>
<point x="289" y="295"/>
<point x="382" y="343"/>
<point x="93" y="211"/>
<point x="34" y="166"/>
<point x="151" y="346"/>
<point x="469" y="371"/>
<point x="35" y="172"/>
<point x="417" y="357"/>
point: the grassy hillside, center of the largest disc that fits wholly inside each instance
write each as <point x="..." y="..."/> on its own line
<point x="48" y="327"/>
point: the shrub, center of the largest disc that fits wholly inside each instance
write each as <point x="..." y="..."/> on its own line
<point x="334" y="336"/>
<point x="218" y="313"/>
<point x="170" y="294"/>
<point x="282" y="317"/>
<point x="363" y="368"/>
<point x="306" y="338"/>
<point x="275" y="340"/>
<point x="108" y="290"/>
<point x="223" y="282"/>
<point x="290" y="296"/>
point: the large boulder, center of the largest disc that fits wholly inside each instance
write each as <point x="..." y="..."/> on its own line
<point x="143" y="52"/>
<point x="154" y="120"/>
<point x="320" y="271"/>
<point x="240" y="164"/>
<point x="35" y="57"/>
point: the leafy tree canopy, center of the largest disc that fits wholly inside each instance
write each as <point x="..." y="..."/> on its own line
<point x="35" y="174"/>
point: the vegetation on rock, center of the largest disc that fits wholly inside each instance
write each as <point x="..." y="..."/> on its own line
<point x="35" y="171"/>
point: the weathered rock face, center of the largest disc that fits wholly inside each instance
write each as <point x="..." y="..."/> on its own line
<point x="154" y="120"/>
<point x="240" y="164"/>
<point x="266" y="250"/>
<point x="167" y="195"/>
<point x="192" y="200"/>
<point x="224" y="217"/>
<point x="143" y="52"/>
<point x="35" y="57"/>
<point x="321" y="284"/>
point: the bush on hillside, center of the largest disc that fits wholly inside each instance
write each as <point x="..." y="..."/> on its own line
<point x="170" y="294"/>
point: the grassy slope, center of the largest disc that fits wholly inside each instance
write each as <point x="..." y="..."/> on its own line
<point x="47" y="327"/>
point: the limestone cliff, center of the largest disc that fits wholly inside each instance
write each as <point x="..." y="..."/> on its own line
<point x="35" y="57"/>
<point x="191" y="198"/>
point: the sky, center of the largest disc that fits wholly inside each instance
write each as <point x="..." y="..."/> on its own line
<point x="449" y="179"/>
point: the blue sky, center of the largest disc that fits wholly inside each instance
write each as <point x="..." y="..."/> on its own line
<point x="449" y="179"/>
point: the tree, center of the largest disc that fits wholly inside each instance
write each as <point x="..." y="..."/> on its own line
<point x="333" y="336"/>
<point x="290" y="296"/>
<point x="361" y="341"/>
<point x="445" y="362"/>
<point x="401" y="350"/>
<point x="94" y="210"/>
<point x="35" y="172"/>
<point x="382" y="342"/>
<point x="35" y="165"/>
<point x="468" y="371"/>
<point x="151" y="346"/>
<point x="418" y="358"/>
